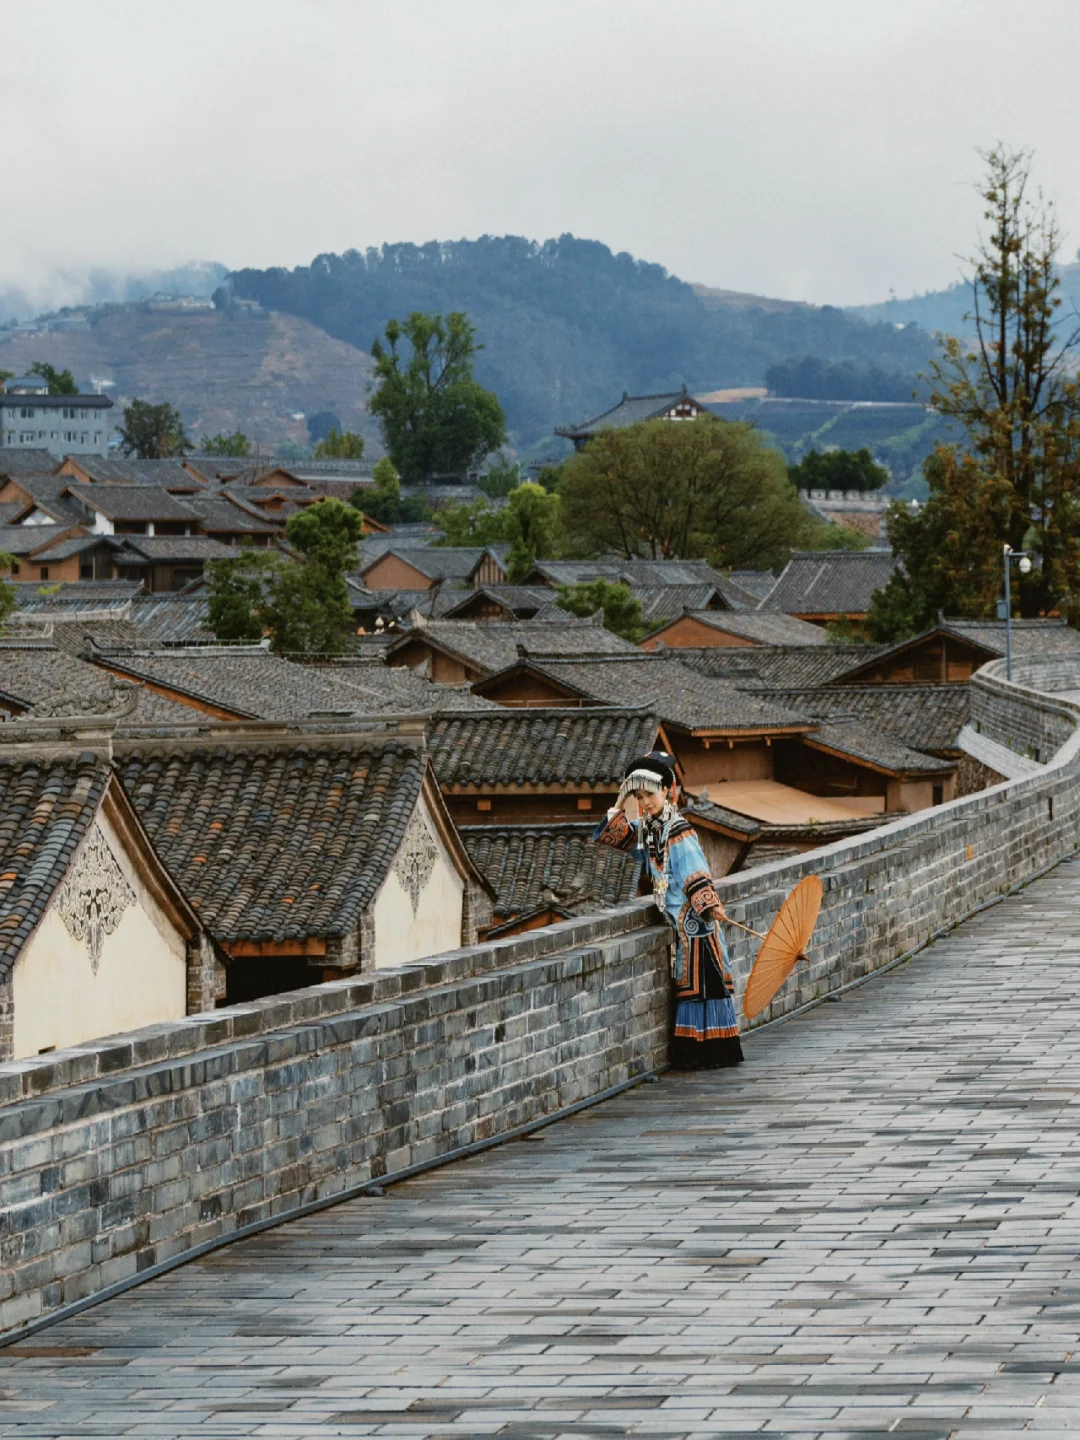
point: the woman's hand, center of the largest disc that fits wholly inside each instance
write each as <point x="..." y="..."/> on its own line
<point x="717" y="912"/>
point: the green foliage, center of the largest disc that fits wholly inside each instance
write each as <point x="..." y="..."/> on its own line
<point x="320" y="423"/>
<point x="825" y="535"/>
<point x="621" y="607"/>
<point x="838" y="470"/>
<point x="153" y="432"/>
<point x="501" y="476"/>
<point x="303" y="605"/>
<point x="549" y="477"/>
<point x="530" y="523"/>
<point x="291" y="452"/>
<point x="340" y="445"/>
<point x="239" y="591"/>
<point x="814" y="379"/>
<point x="1014" y="478"/>
<point x="236" y="444"/>
<point x="699" y="489"/>
<point x="384" y="502"/>
<point x="436" y="420"/>
<point x="8" y="600"/>
<point x="568" y="324"/>
<point x="5" y="376"/>
<point x="61" y="382"/>
<point x="845" y="631"/>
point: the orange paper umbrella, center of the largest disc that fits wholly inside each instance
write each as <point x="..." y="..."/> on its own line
<point x="783" y="946"/>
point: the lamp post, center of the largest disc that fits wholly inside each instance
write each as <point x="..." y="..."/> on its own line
<point x="1024" y="559"/>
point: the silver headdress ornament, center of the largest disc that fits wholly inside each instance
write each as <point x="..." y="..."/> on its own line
<point x="642" y="780"/>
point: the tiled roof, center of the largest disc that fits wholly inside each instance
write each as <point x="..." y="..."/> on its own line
<point x="38" y="677"/>
<point x="661" y="603"/>
<point x="444" y="562"/>
<point x="830" y="582"/>
<point x="1029" y="637"/>
<point x="523" y="600"/>
<point x="168" y="620"/>
<point x="76" y="596"/>
<point x="494" y="646"/>
<point x="700" y="807"/>
<point x="19" y="540"/>
<point x="863" y="742"/>
<point x="539" y="747"/>
<point x="763" y="628"/>
<point x="9" y="510"/>
<point x="779" y="666"/>
<point x="158" y="548"/>
<point x="48" y="492"/>
<point x="222" y="513"/>
<point x="630" y="410"/>
<point x="678" y="694"/>
<point x="46" y="808"/>
<point x="119" y="471"/>
<point x="20" y="462"/>
<point x="216" y="468"/>
<point x="923" y="717"/>
<point x="528" y="866"/>
<point x="638" y="574"/>
<point x="757" y="583"/>
<point x="245" y="680"/>
<point x="72" y="635"/>
<point x="133" y="502"/>
<point x="70" y="544"/>
<point x="395" y="689"/>
<point x="277" y="844"/>
<point x="397" y="604"/>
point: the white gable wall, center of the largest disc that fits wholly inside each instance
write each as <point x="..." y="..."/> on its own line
<point x="402" y="934"/>
<point x="59" y="1000"/>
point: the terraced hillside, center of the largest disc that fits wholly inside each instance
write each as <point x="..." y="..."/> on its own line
<point x="250" y="373"/>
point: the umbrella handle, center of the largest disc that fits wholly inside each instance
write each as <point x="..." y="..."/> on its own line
<point x="738" y="926"/>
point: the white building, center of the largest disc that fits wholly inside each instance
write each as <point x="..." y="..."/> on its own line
<point x="32" y="419"/>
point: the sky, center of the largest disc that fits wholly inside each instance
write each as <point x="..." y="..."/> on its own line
<point x="821" y="150"/>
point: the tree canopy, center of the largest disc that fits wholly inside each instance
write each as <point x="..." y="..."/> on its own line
<point x="435" y="418"/>
<point x="621" y="607"/>
<point x="1014" y="478"/>
<point x="153" y="432"/>
<point x="838" y="470"/>
<point x="699" y="489"/>
<point x="340" y="445"/>
<point x="811" y="378"/>
<point x="383" y="501"/>
<point x="236" y="444"/>
<point x="302" y="605"/>
<point x="61" y="382"/>
<point x="530" y="523"/>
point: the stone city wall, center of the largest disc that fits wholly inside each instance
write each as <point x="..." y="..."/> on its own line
<point x="121" y="1156"/>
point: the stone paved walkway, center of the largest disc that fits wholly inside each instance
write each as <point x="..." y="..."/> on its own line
<point x="872" y="1229"/>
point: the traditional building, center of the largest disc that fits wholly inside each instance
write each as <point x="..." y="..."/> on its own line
<point x="826" y="585"/>
<point x="632" y="410"/>
<point x="307" y="856"/>
<point x="422" y="566"/>
<point x="458" y="651"/>
<point x="704" y="628"/>
<point x="95" y="937"/>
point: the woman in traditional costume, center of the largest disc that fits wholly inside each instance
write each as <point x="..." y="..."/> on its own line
<point x="706" y="1033"/>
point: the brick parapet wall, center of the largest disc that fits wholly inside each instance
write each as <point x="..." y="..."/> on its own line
<point x="119" y="1156"/>
<point x="1010" y="713"/>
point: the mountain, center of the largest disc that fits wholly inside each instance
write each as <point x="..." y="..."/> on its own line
<point x="567" y="325"/>
<point x="100" y="287"/>
<point x="253" y="373"/>
<point x="949" y="310"/>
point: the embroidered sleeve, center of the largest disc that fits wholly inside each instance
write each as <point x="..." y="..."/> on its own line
<point x="690" y="869"/>
<point x="616" y="830"/>
<point x="699" y="891"/>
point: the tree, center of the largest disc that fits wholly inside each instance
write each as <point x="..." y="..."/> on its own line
<point x="435" y="418"/>
<point x="384" y="502"/>
<point x="698" y="489"/>
<point x="238" y="606"/>
<point x="61" y="382"/>
<point x="236" y="444"/>
<point x="530" y="523"/>
<point x="320" y="424"/>
<point x="501" y="476"/>
<point x="153" y="432"/>
<point x="621" y="607"/>
<point x="340" y="445"/>
<point x="1014" y="477"/>
<point x="302" y="604"/>
<point x="838" y="470"/>
<point x="5" y="376"/>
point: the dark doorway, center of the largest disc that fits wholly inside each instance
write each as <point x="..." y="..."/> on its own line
<point x="255" y="976"/>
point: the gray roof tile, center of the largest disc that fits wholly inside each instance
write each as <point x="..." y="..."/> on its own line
<point x="590" y="746"/>
<point x="830" y="582"/>
<point x="529" y="866"/>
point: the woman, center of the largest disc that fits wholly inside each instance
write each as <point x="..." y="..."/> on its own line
<point x="706" y="1033"/>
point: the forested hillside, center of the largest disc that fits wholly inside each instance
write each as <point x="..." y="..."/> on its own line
<point x="567" y="325"/>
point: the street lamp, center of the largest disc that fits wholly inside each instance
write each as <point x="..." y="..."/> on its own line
<point x="1023" y="558"/>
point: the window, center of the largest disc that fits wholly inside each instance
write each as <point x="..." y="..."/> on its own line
<point x="15" y="567"/>
<point x="939" y="794"/>
<point x="26" y="413"/>
<point x="86" y="572"/>
<point x="69" y="413"/>
<point x="44" y="574"/>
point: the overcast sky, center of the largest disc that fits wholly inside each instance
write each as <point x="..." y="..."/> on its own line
<point x="814" y="149"/>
